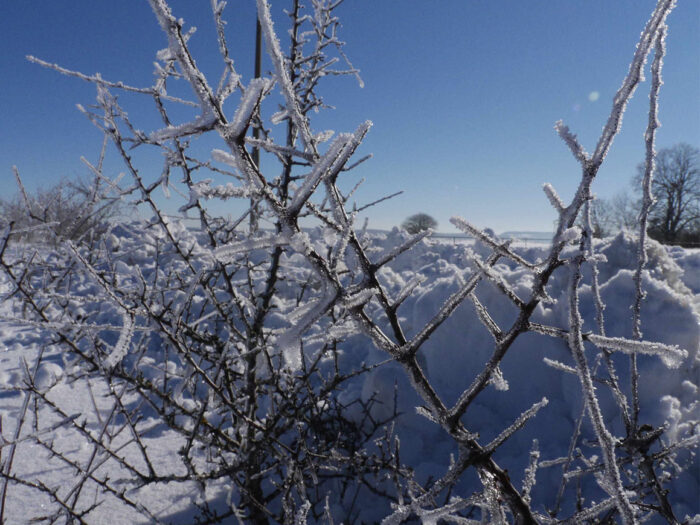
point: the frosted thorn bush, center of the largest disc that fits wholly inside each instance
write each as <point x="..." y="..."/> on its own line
<point x="289" y="368"/>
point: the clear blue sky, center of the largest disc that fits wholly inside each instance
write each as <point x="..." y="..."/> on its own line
<point x="463" y="93"/>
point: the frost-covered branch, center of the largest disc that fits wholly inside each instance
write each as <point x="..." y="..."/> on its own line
<point x="495" y="246"/>
<point x="649" y="36"/>
<point x="647" y="197"/>
<point x="515" y="426"/>
<point x="285" y="83"/>
<point x="576" y="149"/>
<point x="447" y="308"/>
<point x="97" y="79"/>
<point x="605" y="439"/>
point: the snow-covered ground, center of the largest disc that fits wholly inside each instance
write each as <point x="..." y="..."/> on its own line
<point x="451" y="358"/>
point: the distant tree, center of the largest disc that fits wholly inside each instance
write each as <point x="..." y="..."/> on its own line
<point x="419" y="222"/>
<point x="675" y="217"/>
<point x="624" y="211"/>
<point x="609" y="216"/>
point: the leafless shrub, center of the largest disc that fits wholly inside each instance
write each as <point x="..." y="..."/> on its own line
<point x="232" y="338"/>
<point x="77" y="210"/>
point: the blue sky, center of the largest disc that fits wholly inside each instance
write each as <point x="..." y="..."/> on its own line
<point x="463" y="94"/>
